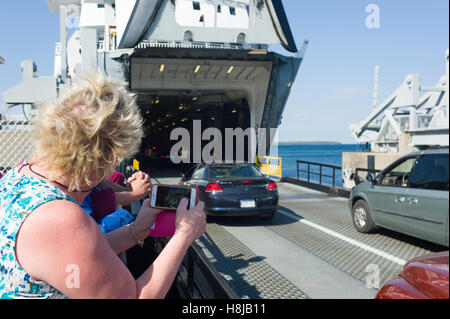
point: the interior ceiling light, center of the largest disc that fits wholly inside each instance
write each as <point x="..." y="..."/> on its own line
<point x="234" y="111"/>
<point x="161" y="69"/>
<point x="230" y="69"/>
<point x="258" y="51"/>
<point x="195" y="99"/>
<point x="197" y="68"/>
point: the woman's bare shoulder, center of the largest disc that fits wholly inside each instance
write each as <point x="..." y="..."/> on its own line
<point x="53" y="225"/>
<point x="59" y="215"/>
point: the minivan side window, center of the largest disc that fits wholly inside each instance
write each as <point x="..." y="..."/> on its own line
<point x="398" y="176"/>
<point x="430" y="172"/>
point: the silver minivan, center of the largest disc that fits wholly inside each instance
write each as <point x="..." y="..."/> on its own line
<point x="410" y="196"/>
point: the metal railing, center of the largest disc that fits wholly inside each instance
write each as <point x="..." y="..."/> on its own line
<point x="310" y="172"/>
<point x="195" y="45"/>
<point x="197" y="278"/>
<point x="15" y="143"/>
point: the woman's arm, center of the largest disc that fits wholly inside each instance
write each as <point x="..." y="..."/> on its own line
<point x="156" y="281"/>
<point x="121" y="239"/>
<point x="124" y="237"/>
<point x="127" y="198"/>
<point x="60" y="244"/>
<point x="138" y="187"/>
<point x="110" y="184"/>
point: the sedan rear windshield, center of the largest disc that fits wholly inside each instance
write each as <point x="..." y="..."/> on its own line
<point x="234" y="171"/>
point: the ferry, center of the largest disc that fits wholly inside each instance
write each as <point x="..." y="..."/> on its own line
<point x="185" y="60"/>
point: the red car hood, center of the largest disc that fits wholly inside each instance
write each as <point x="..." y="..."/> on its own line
<point x="429" y="274"/>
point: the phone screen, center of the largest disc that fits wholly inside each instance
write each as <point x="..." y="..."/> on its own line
<point x="170" y="197"/>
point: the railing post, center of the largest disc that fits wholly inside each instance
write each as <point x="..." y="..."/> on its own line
<point x="298" y="171"/>
<point x="190" y="272"/>
<point x="334" y="177"/>
<point x="320" y="175"/>
<point x="309" y="166"/>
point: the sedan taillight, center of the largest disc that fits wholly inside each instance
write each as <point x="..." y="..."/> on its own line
<point x="213" y="188"/>
<point x="272" y="186"/>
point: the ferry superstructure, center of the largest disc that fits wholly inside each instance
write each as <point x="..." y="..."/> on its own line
<point x="207" y="60"/>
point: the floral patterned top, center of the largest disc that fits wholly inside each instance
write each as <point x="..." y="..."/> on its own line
<point x="19" y="196"/>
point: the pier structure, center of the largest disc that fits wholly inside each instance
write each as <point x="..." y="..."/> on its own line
<point x="411" y="118"/>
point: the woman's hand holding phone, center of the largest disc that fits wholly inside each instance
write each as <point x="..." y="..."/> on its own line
<point x="145" y="219"/>
<point x="190" y="223"/>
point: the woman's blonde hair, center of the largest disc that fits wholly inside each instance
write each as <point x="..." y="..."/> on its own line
<point x="88" y="130"/>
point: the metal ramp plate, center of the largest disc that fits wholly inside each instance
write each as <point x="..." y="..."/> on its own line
<point x="248" y="274"/>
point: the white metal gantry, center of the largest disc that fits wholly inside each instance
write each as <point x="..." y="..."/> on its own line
<point x="411" y="108"/>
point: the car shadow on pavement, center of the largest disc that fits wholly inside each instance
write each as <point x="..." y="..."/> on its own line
<point x="412" y="240"/>
<point x="248" y="221"/>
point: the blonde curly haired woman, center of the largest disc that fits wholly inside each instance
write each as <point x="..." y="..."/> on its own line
<point x="50" y="248"/>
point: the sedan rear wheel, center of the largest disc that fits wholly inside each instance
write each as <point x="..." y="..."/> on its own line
<point x="362" y="219"/>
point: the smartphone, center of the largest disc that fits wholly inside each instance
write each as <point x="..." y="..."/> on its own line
<point x="169" y="196"/>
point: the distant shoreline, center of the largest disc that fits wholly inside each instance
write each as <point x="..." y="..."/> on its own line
<point x="310" y="143"/>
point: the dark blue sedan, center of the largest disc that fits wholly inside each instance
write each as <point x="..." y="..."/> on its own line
<point x="234" y="189"/>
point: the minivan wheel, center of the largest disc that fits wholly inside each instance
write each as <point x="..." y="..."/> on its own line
<point x="362" y="219"/>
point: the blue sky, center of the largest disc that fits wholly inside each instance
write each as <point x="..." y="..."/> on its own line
<point x="334" y="85"/>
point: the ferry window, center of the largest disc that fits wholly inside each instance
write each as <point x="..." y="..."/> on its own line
<point x="241" y="38"/>
<point x="431" y="172"/>
<point x="196" y="5"/>
<point x="188" y="36"/>
<point x="232" y="11"/>
<point x="398" y="176"/>
<point x="219" y="8"/>
<point x="100" y="5"/>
